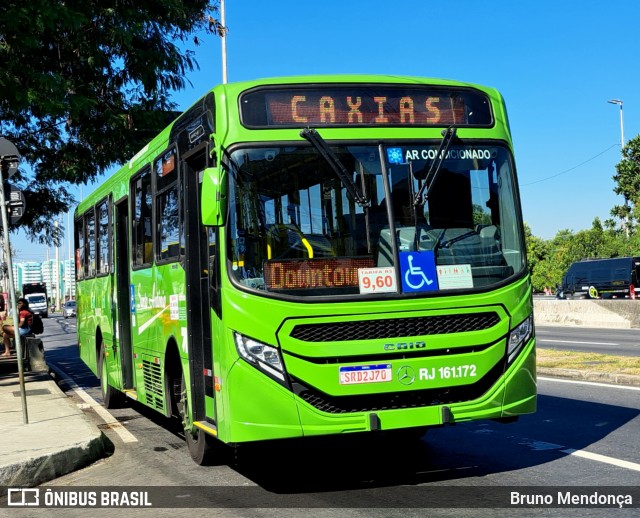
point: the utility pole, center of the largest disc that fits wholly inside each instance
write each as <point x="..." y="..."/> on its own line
<point x="67" y="271"/>
<point x="57" y="277"/>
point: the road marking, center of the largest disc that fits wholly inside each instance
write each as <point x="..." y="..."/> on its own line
<point x="592" y="383"/>
<point x="115" y="425"/>
<point x="575" y="342"/>
<point x="595" y="456"/>
<point x="603" y="458"/>
<point x="546" y="446"/>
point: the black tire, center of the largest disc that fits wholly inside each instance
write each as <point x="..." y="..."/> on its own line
<point x="203" y="448"/>
<point x="111" y="397"/>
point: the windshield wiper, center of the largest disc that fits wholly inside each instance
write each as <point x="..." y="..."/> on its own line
<point x="448" y="135"/>
<point x="332" y="159"/>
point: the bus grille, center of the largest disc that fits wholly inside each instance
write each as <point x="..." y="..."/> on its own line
<point x="397" y="400"/>
<point x="394" y="327"/>
<point x="152" y="374"/>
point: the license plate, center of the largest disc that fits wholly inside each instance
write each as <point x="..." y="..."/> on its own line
<point x="365" y="374"/>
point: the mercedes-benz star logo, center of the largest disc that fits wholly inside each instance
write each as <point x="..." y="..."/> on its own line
<point x="406" y="375"/>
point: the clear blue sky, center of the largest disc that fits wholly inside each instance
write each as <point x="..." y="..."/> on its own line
<point x="557" y="63"/>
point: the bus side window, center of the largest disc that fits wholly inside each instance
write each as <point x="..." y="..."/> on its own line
<point x="169" y="224"/>
<point x="141" y="235"/>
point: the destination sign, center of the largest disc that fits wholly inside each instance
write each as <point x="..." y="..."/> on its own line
<point x="314" y="273"/>
<point x="364" y="105"/>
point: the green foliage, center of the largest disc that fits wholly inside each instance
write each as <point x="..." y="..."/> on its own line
<point x="627" y="180"/>
<point x="549" y="260"/>
<point x="537" y="254"/>
<point x="84" y="84"/>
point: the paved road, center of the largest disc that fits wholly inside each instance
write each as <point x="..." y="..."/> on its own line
<point x="619" y="342"/>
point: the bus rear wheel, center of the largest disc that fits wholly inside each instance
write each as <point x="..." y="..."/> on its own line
<point x="202" y="447"/>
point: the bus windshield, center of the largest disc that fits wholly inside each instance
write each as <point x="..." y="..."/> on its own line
<point x="295" y="228"/>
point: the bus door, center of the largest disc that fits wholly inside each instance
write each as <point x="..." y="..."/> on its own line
<point x="197" y="285"/>
<point x="123" y="290"/>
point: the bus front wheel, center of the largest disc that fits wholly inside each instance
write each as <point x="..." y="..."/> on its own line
<point x="201" y="446"/>
<point x="111" y="398"/>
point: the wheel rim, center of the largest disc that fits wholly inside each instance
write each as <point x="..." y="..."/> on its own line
<point x="185" y="415"/>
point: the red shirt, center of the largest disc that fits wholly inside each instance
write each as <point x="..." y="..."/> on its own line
<point x="28" y="319"/>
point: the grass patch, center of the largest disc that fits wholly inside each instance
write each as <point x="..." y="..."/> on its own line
<point x="555" y="359"/>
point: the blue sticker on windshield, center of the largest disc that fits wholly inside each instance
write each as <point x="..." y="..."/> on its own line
<point x="394" y="155"/>
<point x="418" y="270"/>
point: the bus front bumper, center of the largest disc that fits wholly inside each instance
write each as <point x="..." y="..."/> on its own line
<point x="262" y="409"/>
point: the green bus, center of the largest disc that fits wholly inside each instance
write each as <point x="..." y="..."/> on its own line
<point x="315" y="255"/>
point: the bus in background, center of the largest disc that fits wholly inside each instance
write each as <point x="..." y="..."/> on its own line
<point x="316" y="255"/>
<point x="606" y="278"/>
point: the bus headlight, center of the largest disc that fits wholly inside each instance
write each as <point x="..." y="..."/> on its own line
<point x="262" y="356"/>
<point x="519" y="336"/>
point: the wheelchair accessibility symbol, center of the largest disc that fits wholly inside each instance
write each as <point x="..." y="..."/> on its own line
<point x="418" y="270"/>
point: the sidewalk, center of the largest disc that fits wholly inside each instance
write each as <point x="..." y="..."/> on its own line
<point x="59" y="438"/>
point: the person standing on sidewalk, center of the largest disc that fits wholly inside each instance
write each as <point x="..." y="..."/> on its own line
<point x="24" y="326"/>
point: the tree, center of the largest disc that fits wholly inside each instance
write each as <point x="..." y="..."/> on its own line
<point x="85" y="83"/>
<point x="537" y="252"/>
<point x="549" y="260"/>
<point x="627" y="178"/>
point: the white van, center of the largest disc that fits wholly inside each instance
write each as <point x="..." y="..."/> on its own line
<point x="38" y="304"/>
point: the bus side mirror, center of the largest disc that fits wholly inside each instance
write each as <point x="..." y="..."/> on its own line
<point x="213" y="201"/>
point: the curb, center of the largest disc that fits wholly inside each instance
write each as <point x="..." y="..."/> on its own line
<point x="58" y="440"/>
<point x="594" y="376"/>
<point x="37" y="470"/>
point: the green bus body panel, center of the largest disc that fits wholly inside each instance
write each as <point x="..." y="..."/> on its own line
<point x="94" y="310"/>
<point x="159" y="317"/>
<point x="158" y="320"/>
<point x="259" y="407"/>
<point x="248" y="405"/>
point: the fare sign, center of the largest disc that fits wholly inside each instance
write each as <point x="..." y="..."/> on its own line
<point x="377" y="280"/>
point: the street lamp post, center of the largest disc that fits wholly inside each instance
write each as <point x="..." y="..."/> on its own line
<point x="619" y="103"/>
<point x="224" y="42"/>
<point x="626" y="201"/>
